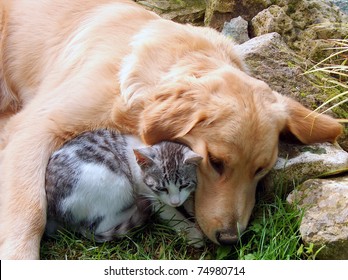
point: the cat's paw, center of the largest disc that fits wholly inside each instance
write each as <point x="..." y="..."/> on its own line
<point x="195" y="237"/>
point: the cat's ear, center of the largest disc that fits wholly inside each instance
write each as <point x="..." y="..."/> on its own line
<point x="144" y="156"/>
<point x="192" y="158"/>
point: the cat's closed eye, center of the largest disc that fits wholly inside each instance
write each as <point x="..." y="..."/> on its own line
<point x="162" y="190"/>
<point x="187" y="185"/>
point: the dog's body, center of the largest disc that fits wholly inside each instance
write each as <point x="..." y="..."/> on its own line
<point x="71" y="66"/>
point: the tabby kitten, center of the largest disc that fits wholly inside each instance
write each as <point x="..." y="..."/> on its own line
<point x="102" y="184"/>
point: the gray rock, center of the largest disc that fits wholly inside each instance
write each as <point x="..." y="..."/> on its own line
<point x="190" y="11"/>
<point x="325" y="220"/>
<point x="273" y="19"/>
<point x="237" y="29"/>
<point x="220" y="11"/>
<point x="271" y="60"/>
<point x="305" y="25"/>
<point x="297" y="163"/>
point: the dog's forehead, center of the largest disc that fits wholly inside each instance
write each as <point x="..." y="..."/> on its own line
<point x="234" y="78"/>
<point x="245" y="130"/>
<point x="239" y="89"/>
<point x="241" y="117"/>
<point x="243" y="155"/>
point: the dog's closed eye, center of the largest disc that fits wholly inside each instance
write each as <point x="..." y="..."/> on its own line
<point x="259" y="170"/>
<point x="217" y="164"/>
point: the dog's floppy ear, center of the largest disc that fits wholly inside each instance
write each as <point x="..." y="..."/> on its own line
<point x="308" y="126"/>
<point x="169" y="115"/>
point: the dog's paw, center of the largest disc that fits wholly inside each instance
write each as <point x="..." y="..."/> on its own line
<point x="195" y="237"/>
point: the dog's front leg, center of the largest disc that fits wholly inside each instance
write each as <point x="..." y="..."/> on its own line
<point x="32" y="135"/>
<point x="23" y="201"/>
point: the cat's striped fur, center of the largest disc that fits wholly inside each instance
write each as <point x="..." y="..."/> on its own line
<point x="103" y="184"/>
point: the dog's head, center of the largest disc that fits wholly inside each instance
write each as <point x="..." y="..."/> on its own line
<point x="233" y="121"/>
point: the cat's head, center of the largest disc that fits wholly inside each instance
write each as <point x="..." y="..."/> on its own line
<point x="169" y="170"/>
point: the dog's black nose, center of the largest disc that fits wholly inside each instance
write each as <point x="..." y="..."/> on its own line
<point x="226" y="237"/>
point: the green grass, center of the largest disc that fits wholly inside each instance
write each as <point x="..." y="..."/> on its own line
<point x="152" y="241"/>
<point x="273" y="234"/>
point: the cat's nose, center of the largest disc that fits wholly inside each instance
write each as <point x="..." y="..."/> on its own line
<point x="175" y="204"/>
<point x="175" y="201"/>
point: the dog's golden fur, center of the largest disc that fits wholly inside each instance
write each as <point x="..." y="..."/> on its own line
<point x="73" y="65"/>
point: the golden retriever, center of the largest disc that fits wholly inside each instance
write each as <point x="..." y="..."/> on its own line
<point x="68" y="66"/>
